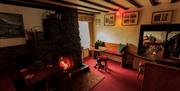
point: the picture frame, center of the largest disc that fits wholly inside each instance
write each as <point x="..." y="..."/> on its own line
<point x="130" y="18"/>
<point x="109" y="19"/>
<point x="98" y="22"/>
<point x="160" y="17"/>
<point x="11" y="25"/>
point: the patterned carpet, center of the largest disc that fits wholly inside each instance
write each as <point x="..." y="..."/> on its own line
<point x="86" y="81"/>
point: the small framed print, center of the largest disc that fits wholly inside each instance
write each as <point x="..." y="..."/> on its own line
<point x="130" y="18"/>
<point x="109" y="19"/>
<point x="162" y="17"/>
<point x="98" y="22"/>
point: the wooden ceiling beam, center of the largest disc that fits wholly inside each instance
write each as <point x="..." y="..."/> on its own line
<point x="63" y="6"/>
<point x="78" y="5"/>
<point x="116" y="4"/>
<point x="174" y="1"/>
<point x="40" y="5"/>
<point x="30" y="4"/>
<point x="85" y="13"/>
<point x="154" y="2"/>
<point x="136" y="4"/>
<point x="89" y="11"/>
<point x="98" y="5"/>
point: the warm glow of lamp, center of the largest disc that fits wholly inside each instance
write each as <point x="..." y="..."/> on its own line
<point x="65" y="63"/>
<point x="154" y="53"/>
<point x="118" y="13"/>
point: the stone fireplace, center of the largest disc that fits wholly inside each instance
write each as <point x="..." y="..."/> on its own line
<point x="63" y="34"/>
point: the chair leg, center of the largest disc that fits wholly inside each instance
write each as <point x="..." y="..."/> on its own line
<point x="99" y="64"/>
<point x="106" y="65"/>
<point x="139" y="73"/>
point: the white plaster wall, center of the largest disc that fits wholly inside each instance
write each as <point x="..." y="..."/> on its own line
<point x="130" y="34"/>
<point x="31" y="17"/>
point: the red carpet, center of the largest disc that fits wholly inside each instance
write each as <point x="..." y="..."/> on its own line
<point x="116" y="78"/>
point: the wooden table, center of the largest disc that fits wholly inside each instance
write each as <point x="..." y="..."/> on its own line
<point x="47" y="78"/>
<point x="96" y="52"/>
<point x="39" y="75"/>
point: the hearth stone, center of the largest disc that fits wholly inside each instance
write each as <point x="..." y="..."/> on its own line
<point x="81" y="69"/>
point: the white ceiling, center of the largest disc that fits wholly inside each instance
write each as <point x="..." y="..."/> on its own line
<point x="124" y="3"/>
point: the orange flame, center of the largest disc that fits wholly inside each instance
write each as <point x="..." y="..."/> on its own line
<point x="64" y="63"/>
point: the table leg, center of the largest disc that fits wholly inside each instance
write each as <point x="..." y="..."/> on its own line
<point x="96" y="54"/>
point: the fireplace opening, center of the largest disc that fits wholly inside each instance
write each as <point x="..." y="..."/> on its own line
<point x="65" y="62"/>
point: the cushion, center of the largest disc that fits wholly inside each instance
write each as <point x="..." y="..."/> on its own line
<point x="102" y="58"/>
<point x="121" y="47"/>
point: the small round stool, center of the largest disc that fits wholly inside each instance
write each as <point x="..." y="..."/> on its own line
<point x="100" y="59"/>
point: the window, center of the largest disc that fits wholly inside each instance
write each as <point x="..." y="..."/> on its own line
<point x="84" y="34"/>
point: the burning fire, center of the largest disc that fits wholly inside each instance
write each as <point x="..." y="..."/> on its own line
<point x="65" y="66"/>
<point x="64" y="63"/>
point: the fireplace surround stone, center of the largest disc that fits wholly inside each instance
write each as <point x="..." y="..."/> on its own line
<point x="64" y="34"/>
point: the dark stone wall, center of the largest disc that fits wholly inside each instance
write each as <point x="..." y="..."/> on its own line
<point x="9" y="57"/>
<point x="64" y="34"/>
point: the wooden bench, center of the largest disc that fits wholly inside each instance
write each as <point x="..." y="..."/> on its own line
<point x="113" y="52"/>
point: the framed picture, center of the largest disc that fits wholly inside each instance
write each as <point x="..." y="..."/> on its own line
<point x="130" y="18"/>
<point x="109" y="19"/>
<point x="162" y="17"/>
<point x="11" y="25"/>
<point x="98" y="22"/>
